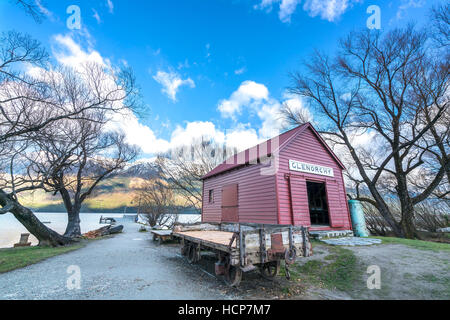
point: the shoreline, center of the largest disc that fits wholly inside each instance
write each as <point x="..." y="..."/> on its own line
<point x="11" y="228"/>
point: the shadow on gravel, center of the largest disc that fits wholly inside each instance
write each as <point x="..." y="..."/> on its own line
<point x="253" y="285"/>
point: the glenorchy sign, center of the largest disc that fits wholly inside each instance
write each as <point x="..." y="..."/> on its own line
<point x="310" y="168"/>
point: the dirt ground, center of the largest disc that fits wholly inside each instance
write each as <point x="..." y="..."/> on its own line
<point x="406" y="273"/>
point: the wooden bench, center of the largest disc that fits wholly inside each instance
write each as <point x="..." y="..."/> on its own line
<point x="23" y="241"/>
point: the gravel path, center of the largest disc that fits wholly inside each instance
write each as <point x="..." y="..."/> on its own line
<point x="126" y="266"/>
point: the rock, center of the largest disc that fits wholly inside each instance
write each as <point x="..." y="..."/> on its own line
<point x="352" y="241"/>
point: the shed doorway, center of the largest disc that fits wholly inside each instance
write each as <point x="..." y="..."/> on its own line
<point x="318" y="204"/>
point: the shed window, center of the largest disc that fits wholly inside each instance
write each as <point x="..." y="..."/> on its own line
<point x="211" y="196"/>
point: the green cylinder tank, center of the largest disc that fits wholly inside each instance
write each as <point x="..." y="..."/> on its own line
<point x="358" y="220"/>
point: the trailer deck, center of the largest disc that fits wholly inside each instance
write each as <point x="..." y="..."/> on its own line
<point x="219" y="239"/>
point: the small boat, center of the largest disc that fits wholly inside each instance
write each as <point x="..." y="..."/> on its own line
<point x="107" y="220"/>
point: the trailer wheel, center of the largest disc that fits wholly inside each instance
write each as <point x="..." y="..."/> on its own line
<point x="233" y="276"/>
<point x="270" y="270"/>
<point x="185" y="249"/>
<point x="290" y="255"/>
<point x="154" y="237"/>
<point x="159" y="241"/>
<point x="193" y="254"/>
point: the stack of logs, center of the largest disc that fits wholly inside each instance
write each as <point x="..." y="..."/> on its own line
<point x="103" y="231"/>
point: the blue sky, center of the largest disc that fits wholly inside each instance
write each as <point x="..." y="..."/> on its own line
<point x="211" y="67"/>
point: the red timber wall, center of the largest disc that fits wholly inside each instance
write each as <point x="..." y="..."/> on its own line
<point x="256" y="195"/>
<point x="306" y="147"/>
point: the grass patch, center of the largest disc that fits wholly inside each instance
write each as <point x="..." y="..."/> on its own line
<point x="418" y="244"/>
<point x="339" y="270"/>
<point x="15" y="258"/>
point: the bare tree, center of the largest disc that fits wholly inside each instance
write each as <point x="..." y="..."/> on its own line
<point x="186" y="165"/>
<point x="31" y="103"/>
<point x="429" y="217"/>
<point x="384" y="86"/>
<point x="156" y="203"/>
<point x="31" y="8"/>
<point x="76" y="162"/>
<point x="28" y="103"/>
<point x="440" y="26"/>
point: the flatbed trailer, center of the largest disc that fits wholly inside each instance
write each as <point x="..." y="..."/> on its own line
<point x="243" y="247"/>
<point x="160" y="236"/>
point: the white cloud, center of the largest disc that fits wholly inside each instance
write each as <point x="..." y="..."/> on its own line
<point x="70" y="53"/>
<point x="110" y="5"/>
<point x="407" y="4"/>
<point x="248" y="92"/>
<point x="241" y="138"/>
<point x="195" y="130"/>
<point x="208" y="47"/>
<point x="96" y="16"/>
<point x="240" y="71"/>
<point x="183" y="65"/>
<point x="327" y="9"/>
<point x="287" y="8"/>
<point x="269" y="113"/>
<point x="43" y="9"/>
<point x="272" y="119"/>
<point x="255" y="98"/>
<point x="137" y="133"/>
<point x="171" y="82"/>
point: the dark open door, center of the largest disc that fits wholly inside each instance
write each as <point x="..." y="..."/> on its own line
<point x="318" y="204"/>
<point x="230" y="203"/>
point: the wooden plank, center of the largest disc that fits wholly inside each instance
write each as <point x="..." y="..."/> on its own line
<point x="215" y="239"/>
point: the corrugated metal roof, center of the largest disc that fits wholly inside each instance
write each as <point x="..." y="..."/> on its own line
<point x="264" y="149"/>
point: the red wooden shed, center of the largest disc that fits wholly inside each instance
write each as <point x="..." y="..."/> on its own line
<point x="294" y="178"/>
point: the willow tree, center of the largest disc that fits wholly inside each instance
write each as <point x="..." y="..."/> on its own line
<point x="392" y="88"/>
<point x="32" y="102"/>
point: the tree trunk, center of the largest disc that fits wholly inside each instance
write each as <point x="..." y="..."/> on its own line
<point x="384" y="210"/>
<point x="387" y="215"/>
<point x="407" y="222"/>
<point x="406" y="205"/>
<point x="73" y="229"/>
<point x="46" y="236"/>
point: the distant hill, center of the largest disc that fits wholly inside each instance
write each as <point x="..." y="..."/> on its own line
<point x="114" y="195"/>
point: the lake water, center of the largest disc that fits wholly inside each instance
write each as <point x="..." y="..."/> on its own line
<point x="10" y="228"/>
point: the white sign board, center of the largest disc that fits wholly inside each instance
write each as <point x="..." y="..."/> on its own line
<point x="310" y="168"/>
